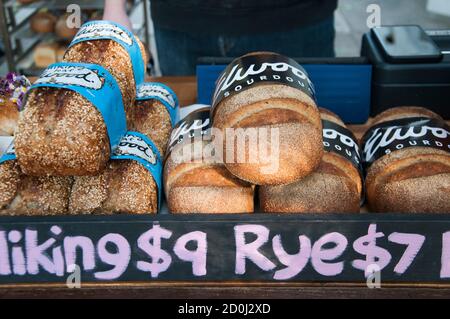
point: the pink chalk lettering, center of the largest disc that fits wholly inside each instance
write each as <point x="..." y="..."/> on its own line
<point x="119" y="260"/>
<point x="413" y="244"/>
<point x="150" y="243"/>
<point x="58" y="260"/>
<point x="5" y="268"/>
<point x="294" y="263"/>
<point x="367" y="245"/>
<point x="445" y="256"/>
<point x="36" y="255"/>
<point x="18" y="259"/>
<point x="71" y="244"/>
<point x="319" y="254"/>
<point x="251" y="250"/>
<point x="197" y="256"/>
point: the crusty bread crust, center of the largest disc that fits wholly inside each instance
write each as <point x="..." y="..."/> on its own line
<point x="203" y="186"/>
<point x="60" y="133"/>
<point x="335" y="187"/>
<point x="27" y="195"/>
<point x="9" y="115"/>
<point x="114" y="58"/>
<point x="274" y="106"/>
<point x="414" y="179"/>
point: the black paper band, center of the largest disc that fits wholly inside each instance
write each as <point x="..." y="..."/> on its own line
<point x="391" y="136"/>
<point x="340" y="140"/>
<point x="197" y="123"/>
<point x="250" y="70"/>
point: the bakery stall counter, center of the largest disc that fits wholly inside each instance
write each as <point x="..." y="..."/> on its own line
<point x="357" y="207"/>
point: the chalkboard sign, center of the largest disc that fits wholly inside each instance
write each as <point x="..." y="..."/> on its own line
<point x="257" y="247"/>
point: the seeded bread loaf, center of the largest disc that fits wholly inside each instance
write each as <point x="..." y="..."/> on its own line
<point x="125" y="186"/>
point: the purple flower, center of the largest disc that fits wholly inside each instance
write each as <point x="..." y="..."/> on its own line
<point x="14" y="87"/>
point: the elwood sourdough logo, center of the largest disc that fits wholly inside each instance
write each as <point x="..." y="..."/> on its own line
<point x="150" y="90"/>
<point x="338" y="139"/>
<point x="195" y="124"/>
<point x="248" y="70"/>
<point x="133" y="145"/>
<point x="102" y="29"/>
<point x="71" y="75"/>
<point x="395" y="135"/>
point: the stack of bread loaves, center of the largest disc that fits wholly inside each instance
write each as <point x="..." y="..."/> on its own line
<point x="131" y="183"/>
<point x="195" y="179"/>
<point x="76" y="118"/>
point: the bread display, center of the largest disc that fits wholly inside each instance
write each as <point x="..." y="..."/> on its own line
<point x="72" y="118"/>
<point x="406" y="151"/>
<point x="267" y="99"/>
<point x="27" y="195"/>
<point x="129" y="185"/>
<point x="195" y="182"/>
<point x="12" y="93"/>
<point x="117" y="50"/>
<point x="334" y="187"/>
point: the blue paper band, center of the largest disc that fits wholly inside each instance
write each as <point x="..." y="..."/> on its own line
<point x="138" y="147"/>
<point x="95" y="84"/>
<point x="108" y="30"/>
<point x="9" y="155"/>
<point x="162" y="93"/>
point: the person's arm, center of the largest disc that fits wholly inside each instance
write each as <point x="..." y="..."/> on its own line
<point x="115" y="10"/>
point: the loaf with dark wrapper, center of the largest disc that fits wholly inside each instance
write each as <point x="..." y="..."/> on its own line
<point x="288" y="115"/>
<point x="197" y="184"/>
<point x="334" y="187"/>
<point x="413" y="179"/>
<point x="125" y="186"/>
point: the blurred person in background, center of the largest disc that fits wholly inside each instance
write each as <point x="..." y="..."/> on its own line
<point x="188" y="29"/>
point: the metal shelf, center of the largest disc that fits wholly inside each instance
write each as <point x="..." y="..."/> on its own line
<point x="15" y="32"/>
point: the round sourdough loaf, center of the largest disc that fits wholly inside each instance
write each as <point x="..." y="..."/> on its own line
<point x="414" y="179"/>
<point x="334" y="187"/>
<point x="284" y="118"/>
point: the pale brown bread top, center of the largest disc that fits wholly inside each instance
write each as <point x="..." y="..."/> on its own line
<point x="60" y="133"/>
<point x="327" y="190"/>
<point x="9" y="115"/>
<point x="178" y="172"/>
<point x="234" y="108"/>
<point x="407" y="164"/>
